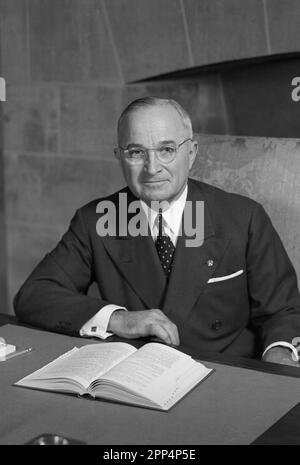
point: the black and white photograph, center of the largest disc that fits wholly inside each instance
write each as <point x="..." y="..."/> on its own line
<point x="149" y="225"/>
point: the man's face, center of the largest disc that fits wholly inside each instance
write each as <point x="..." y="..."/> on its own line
<point x="150" y="128"/>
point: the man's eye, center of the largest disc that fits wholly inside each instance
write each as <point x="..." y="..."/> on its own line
<point x="167" y="149"/>
<point x="135" y="153"/>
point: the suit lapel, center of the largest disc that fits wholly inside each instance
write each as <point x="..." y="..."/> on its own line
<point x="193" y="266"/>
<point x="138" y="262"/>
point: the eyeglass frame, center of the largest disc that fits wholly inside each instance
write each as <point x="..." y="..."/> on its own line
<point x="117" y="150"/>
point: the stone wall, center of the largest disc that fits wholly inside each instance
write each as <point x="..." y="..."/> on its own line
<point x="72" y="65"/>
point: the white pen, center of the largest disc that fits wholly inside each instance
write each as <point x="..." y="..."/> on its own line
<point x="24" y="351"/>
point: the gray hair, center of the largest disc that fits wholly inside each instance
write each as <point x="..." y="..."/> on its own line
<point x="145" y="102"/>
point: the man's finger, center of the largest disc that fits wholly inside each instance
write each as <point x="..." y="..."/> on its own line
<point x="168" y="325"/>
<point x="174" y="334"/>
<point x="155" y="329"/>
<point x="171" y="329"/>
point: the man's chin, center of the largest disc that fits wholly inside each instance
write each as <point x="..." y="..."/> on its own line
<point x="151" y="195"/>
<point x="153" y="191"/>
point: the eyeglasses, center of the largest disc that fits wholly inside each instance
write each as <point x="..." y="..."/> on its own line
<point x="166" y="153"/>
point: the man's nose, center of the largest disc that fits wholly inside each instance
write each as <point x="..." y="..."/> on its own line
<point x="151" y="164"/>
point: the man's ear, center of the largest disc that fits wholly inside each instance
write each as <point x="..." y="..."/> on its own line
<point x="193" y="152"/>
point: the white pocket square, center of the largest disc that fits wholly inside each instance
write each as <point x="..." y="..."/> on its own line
<point x="223" y="278"/>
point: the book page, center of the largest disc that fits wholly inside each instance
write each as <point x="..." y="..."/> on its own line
<point x="84" y="364"/>
<point x="151" y="368"/>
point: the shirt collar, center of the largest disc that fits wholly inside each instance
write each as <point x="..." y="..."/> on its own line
<point x="172" y="216"/>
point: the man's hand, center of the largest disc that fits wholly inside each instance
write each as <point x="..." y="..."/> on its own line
<point x="280" y="355"/>
<point x="143" y="323"/>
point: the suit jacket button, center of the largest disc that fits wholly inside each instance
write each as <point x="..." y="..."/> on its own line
<point x="216" y="325"/>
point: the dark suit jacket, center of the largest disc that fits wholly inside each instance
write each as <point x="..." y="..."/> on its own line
<point x="260" y="305"/>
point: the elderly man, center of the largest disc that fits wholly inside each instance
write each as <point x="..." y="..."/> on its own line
<point x="235" y="291"/>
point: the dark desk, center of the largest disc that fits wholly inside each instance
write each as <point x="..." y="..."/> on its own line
<point x="242" y="399"/>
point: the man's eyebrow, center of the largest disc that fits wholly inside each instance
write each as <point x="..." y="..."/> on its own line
<point x="167" y="142"/>
<point x="134" y="144"/>
<point x="161" y="142"/>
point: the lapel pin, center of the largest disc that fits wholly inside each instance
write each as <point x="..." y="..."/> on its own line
<point x="210" y="262"/>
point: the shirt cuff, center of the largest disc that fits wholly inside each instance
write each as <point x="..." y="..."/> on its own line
<point x="295" y="355"/>
<point x="97" y="325"/>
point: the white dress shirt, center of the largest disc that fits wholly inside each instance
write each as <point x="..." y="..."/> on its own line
<point x="97" y="325"/>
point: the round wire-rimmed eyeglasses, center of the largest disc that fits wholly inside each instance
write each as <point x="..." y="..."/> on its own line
<point x="136" y="155"/>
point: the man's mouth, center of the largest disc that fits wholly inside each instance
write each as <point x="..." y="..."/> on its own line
<point x="154" y="181"/>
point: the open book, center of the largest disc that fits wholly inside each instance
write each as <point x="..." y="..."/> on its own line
<point x="154" y="376"/>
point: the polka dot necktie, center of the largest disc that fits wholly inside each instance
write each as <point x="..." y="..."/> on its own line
<point x="165" y="247"/>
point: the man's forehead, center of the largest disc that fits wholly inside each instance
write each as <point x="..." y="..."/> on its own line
<point x="161" y="120"/>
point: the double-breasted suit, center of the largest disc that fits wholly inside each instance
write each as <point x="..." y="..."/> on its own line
<point x="236" y="293"/>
